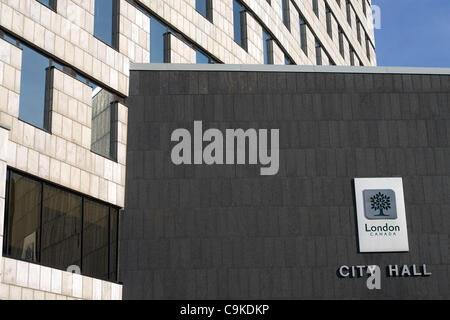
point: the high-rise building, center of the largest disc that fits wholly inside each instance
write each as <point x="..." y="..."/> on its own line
<point x="64" y="83"/>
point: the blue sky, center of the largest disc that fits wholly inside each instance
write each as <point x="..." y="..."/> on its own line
<point x="413" y="33"/>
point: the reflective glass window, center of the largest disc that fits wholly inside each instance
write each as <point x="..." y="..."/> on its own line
<point x="104" y="21"/>
<point x="61" y="228"/>
<point x="35" y="76"/>
<point x="157" y="49"/>
<point x="24" y="202"/>
<point x="95" y="239"/>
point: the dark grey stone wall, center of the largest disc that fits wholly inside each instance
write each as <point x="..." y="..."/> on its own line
<point x="220" y="232"/>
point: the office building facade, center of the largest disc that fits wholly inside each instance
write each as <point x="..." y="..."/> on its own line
<point x="64" y="84"/>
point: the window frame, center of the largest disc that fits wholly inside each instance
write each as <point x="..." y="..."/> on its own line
<point x="84" y="197"/>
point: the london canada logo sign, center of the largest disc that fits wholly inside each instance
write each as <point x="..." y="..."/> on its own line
<point x="380" y="209"/>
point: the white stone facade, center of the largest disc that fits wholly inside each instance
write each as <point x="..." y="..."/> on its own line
<point x="27" y="281"/>
<point x="62" y="155"/>
<point x="217" y="37"/>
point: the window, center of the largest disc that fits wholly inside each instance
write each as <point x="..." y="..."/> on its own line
<point x="113" y="242"/>
<point x="204" y="7"/>
<point x="329" y="25"/>
<point x="318" y="53"/>
<point x="364" y="3"/>
<point x="104" y="115"/>
<point x="358" y="29"/>
<point x="105" y="25"/>
<point x="267" y="47"/>
<point x="349" y="13"/>
<point x="352" y="56"/>
<point x="95" y="239"/>
<point x="315" y="7"/>
<point x="35" y="99"/>
<point x="61" y="228"/>
<point x="35" y="83"/>
<point x="239" y="23"/>
<point x="57" y="228"/>
<point x="160" y="31"/>
<point x="331" y="62"/>
<point x="287" y="60"/>
<point x="104" y="126"/>
<point x="303" y="42"/>
<point x="368" y="47"/>
<point x="286" y="13"/>
<point x="202" y="58"/>
<point x="269" y="2"/>
<point x="341" y="42"/>
<point x="49" y="3"/>
<point x="158" y="44"/>
<point x="22" y="230"/>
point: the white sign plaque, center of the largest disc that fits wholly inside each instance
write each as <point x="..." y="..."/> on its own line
<point x="380" y="210"/>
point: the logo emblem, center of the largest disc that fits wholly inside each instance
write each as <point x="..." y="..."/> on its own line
<point x="380" y="204"/>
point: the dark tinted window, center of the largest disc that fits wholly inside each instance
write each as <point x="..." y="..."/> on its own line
<point x="24" y="199"/>
<point x="52" y="226"/>
<point x="113" y="240"/>
<point x="61" y="228"/>
<point x="95" y="240"/>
